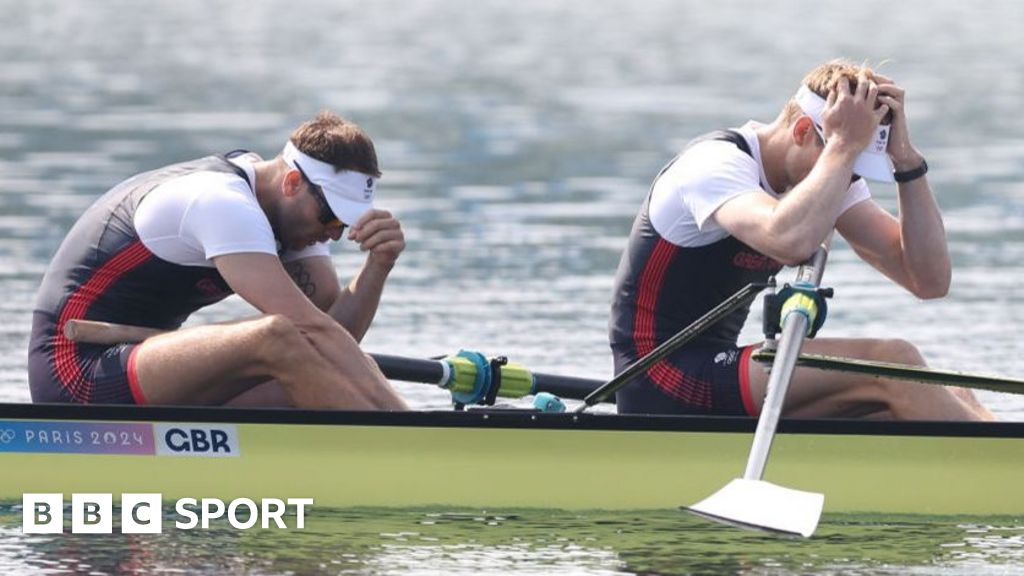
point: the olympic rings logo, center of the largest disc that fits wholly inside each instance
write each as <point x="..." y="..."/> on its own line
<point x="7" y="436"/>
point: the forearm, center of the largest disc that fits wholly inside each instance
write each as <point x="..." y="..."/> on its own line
<point x="356" y="304"/>
<point x="807" y="214"/>
<point x="923" y="240"/>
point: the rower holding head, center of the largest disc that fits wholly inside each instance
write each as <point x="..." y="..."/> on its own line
<point x="163" y="244"/>
<point x="735" y="205"/>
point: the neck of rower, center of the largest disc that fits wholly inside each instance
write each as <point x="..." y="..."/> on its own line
<point x="774" y="141"/>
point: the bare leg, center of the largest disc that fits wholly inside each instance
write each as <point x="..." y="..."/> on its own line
<point x="816" y="393"/>
<point x="213" y="364"/>
<point x="968" y="397"/>
<point x="268" y="394"/>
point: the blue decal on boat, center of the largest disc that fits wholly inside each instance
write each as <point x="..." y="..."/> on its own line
<point x="77" y="437"/>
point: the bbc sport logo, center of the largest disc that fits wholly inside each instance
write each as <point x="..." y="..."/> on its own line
<point x="144" y="513"/>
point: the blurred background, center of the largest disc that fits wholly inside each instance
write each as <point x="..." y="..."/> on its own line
<point x="518" y="140"/>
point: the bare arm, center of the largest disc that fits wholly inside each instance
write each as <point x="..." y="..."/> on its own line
<point x="353" y="306"/>
<point x="911" y="249"/>
<point x="378" y="234"/>
<point x="261" y="280"/>
<point x="789" y="229"/>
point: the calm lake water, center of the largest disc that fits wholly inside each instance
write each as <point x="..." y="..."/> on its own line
<point x="392" y="542"/>
<point x="518" y="140"/>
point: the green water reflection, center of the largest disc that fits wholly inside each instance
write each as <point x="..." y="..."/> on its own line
<point x="390" y="541"/>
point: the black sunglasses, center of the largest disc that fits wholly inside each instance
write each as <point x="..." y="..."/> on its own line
<point x="326" y="216"/>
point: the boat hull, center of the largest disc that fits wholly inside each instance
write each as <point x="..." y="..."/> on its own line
<point x="503" y="459"/>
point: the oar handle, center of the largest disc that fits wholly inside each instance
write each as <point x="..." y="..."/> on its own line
<point x="96" y="332"/>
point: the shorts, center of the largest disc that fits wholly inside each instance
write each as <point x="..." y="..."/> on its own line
<point x="702" y="380"/>
<point x="63" y="371"/>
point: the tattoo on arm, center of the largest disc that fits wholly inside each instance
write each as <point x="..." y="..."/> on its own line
<point x="301" y="278"/>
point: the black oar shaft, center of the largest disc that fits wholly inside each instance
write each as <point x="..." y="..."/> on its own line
<point x="567" y="386"/>
<point x="410" y="369"/>
<point x="712" y="317"/>
<point x="432" y="372"/>
<point x="910" y="373"/>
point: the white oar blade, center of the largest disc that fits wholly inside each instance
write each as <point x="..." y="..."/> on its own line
<point x="764" y="506"/>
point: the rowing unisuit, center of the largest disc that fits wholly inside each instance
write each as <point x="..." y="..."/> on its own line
<point x="679" y="263"/>
<point x="142" y="255"/>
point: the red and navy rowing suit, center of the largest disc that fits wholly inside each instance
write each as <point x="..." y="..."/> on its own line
<point x="680" y="263"/>
<point x="103" y="271"/>
<point x="662" y="286"/>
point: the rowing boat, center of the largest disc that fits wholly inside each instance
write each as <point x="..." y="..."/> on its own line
<point x="497" y="458"/>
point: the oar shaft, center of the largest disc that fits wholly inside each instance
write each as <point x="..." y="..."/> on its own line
<point x="778" y="384"/>
<point x="794" y="329"/>
<point x="433" y="372"/>
<point x="568" y="386"/>
<point x="411" y="369"/>
<point x="905" y="372"/>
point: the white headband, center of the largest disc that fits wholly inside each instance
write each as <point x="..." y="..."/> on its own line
<point x="349" y="193"/>
<point x="873" y="163"/>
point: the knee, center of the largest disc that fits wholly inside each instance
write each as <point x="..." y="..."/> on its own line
<point x="279" y="336"/>
<point x="898" y="351"/>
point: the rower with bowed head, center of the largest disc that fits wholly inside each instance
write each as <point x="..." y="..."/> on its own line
<point x="736" y="205"/>
<point x="163" y="244"/>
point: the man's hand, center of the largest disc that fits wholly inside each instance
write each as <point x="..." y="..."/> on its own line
<point x="851" y="118"/>
<point x="904" y="155"/>
<point x="380" y="234"/>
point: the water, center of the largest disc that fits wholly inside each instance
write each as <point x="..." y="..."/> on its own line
<point x="387" y="541"/>
<point x="517" y="141"/>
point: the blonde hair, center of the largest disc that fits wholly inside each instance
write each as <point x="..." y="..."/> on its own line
<point x="822" y="79"/>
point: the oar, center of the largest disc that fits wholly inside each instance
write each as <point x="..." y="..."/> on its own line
<point x="908" y="372"/>
<point x="713" y="316"/>
<point x="95" y="332"/>
<point x="467" y="375"/>
<point x="750" y="501"/>
<point x="439" y="372"/>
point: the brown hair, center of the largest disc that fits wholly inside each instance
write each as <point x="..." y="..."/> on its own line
<point x="337" y="141"/>
<point x="822" y="79"/>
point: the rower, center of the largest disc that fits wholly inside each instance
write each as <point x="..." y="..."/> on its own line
<point x="163" y="244"/>
<point x="734" y="207"/>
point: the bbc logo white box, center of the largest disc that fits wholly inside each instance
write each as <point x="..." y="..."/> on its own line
<point x="92" y="513"/>
<point x="141" y="513"/>
<point x="42" y="513"/>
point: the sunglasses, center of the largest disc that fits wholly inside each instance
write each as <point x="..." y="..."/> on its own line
<point x="326" y="216"/>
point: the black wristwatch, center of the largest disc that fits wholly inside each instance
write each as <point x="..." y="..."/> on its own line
<point x="912" y="174"/>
